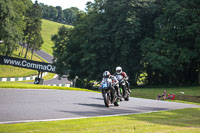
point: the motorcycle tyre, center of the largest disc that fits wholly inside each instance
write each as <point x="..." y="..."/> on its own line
<point x="125" y="94"/>
<point x="106" y="98"/>
<point x="117" y="102"/>
<point x="126" y="98"/>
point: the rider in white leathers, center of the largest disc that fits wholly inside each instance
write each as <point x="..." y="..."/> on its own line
<point x="119" y="72"/>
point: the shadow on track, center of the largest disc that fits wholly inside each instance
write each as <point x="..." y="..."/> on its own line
<point x="96" y="98"/>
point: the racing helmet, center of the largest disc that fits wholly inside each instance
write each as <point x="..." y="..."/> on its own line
<point x="106" y="74"/>
<point x="118" y="70"/>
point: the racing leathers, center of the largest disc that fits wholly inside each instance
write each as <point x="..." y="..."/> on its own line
<point x="115" y="85"/>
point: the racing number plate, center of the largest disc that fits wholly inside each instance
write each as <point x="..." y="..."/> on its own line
<point x="104" y="86"/>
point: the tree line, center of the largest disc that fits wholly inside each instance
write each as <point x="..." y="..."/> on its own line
<point x="20" y="24"/>
<point x="156" y="38"/>
<point x="66" y="16"/>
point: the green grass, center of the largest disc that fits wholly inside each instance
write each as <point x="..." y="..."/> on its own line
<point x="49" y="76"/>
<point x="49" y="28"/>
<point x="191" y="94"/>
<point x="179" y="121"/>
<point x="34" y="86"/>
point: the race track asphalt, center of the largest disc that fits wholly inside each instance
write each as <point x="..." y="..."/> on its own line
<point x="45" y="56"/>
<point x="56" y="80"/>
<point x="28" y="105"/>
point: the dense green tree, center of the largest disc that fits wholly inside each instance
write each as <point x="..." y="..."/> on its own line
<point x="45" y="11"/>
<point x="12" y="24"/>
<point x="33" y="38"/>
<point x="160" y="38"/>
<point x="60" y="17"/>
<point x="59" y="50"/>
<point x="66" y="16"/>
<point x="172" y="54"/>
<point x="106" y="37"/>
<point x="70" y="15"/>
<point x="53" y="13"/>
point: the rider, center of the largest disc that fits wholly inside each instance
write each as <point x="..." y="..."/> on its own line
<point x="120" y="72"/>
<point x="115" y="82"/>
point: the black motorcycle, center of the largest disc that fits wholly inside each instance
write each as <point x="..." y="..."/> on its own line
<point x="109" y="95"/>
<point x="122" y="84"/>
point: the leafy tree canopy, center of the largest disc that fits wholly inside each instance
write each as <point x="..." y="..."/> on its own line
<point x="157" y="37"/>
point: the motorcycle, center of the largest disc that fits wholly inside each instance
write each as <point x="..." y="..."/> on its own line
<point x="109" y="95"/>
<point x="122" y="84"/>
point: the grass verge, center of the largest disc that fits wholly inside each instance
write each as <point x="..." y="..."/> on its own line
<point x="182" y="121"/>
<point x="191" y="94"/>
<point x="49" y="76"/>
<point x="34" y="86"/>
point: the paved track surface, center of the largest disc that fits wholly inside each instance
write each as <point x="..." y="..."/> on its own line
<point x="56" y="80"/>
<point x="20" y="105"/>
<point x="45" y="56"/>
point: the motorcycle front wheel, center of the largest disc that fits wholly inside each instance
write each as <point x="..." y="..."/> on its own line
<point x="125" y="93"/>
<point x="117" y="102"/>
<point x="106" y="98"/>
<point x="126" y="98"/>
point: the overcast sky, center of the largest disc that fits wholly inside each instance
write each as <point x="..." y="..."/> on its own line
<point x="65" y="3"/>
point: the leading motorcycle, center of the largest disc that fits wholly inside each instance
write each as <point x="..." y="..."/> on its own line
<point x="108" y="93"/>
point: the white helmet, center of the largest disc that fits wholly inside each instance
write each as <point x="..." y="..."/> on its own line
<point x="106" y="74"/>
<point x="118" y="70"/>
